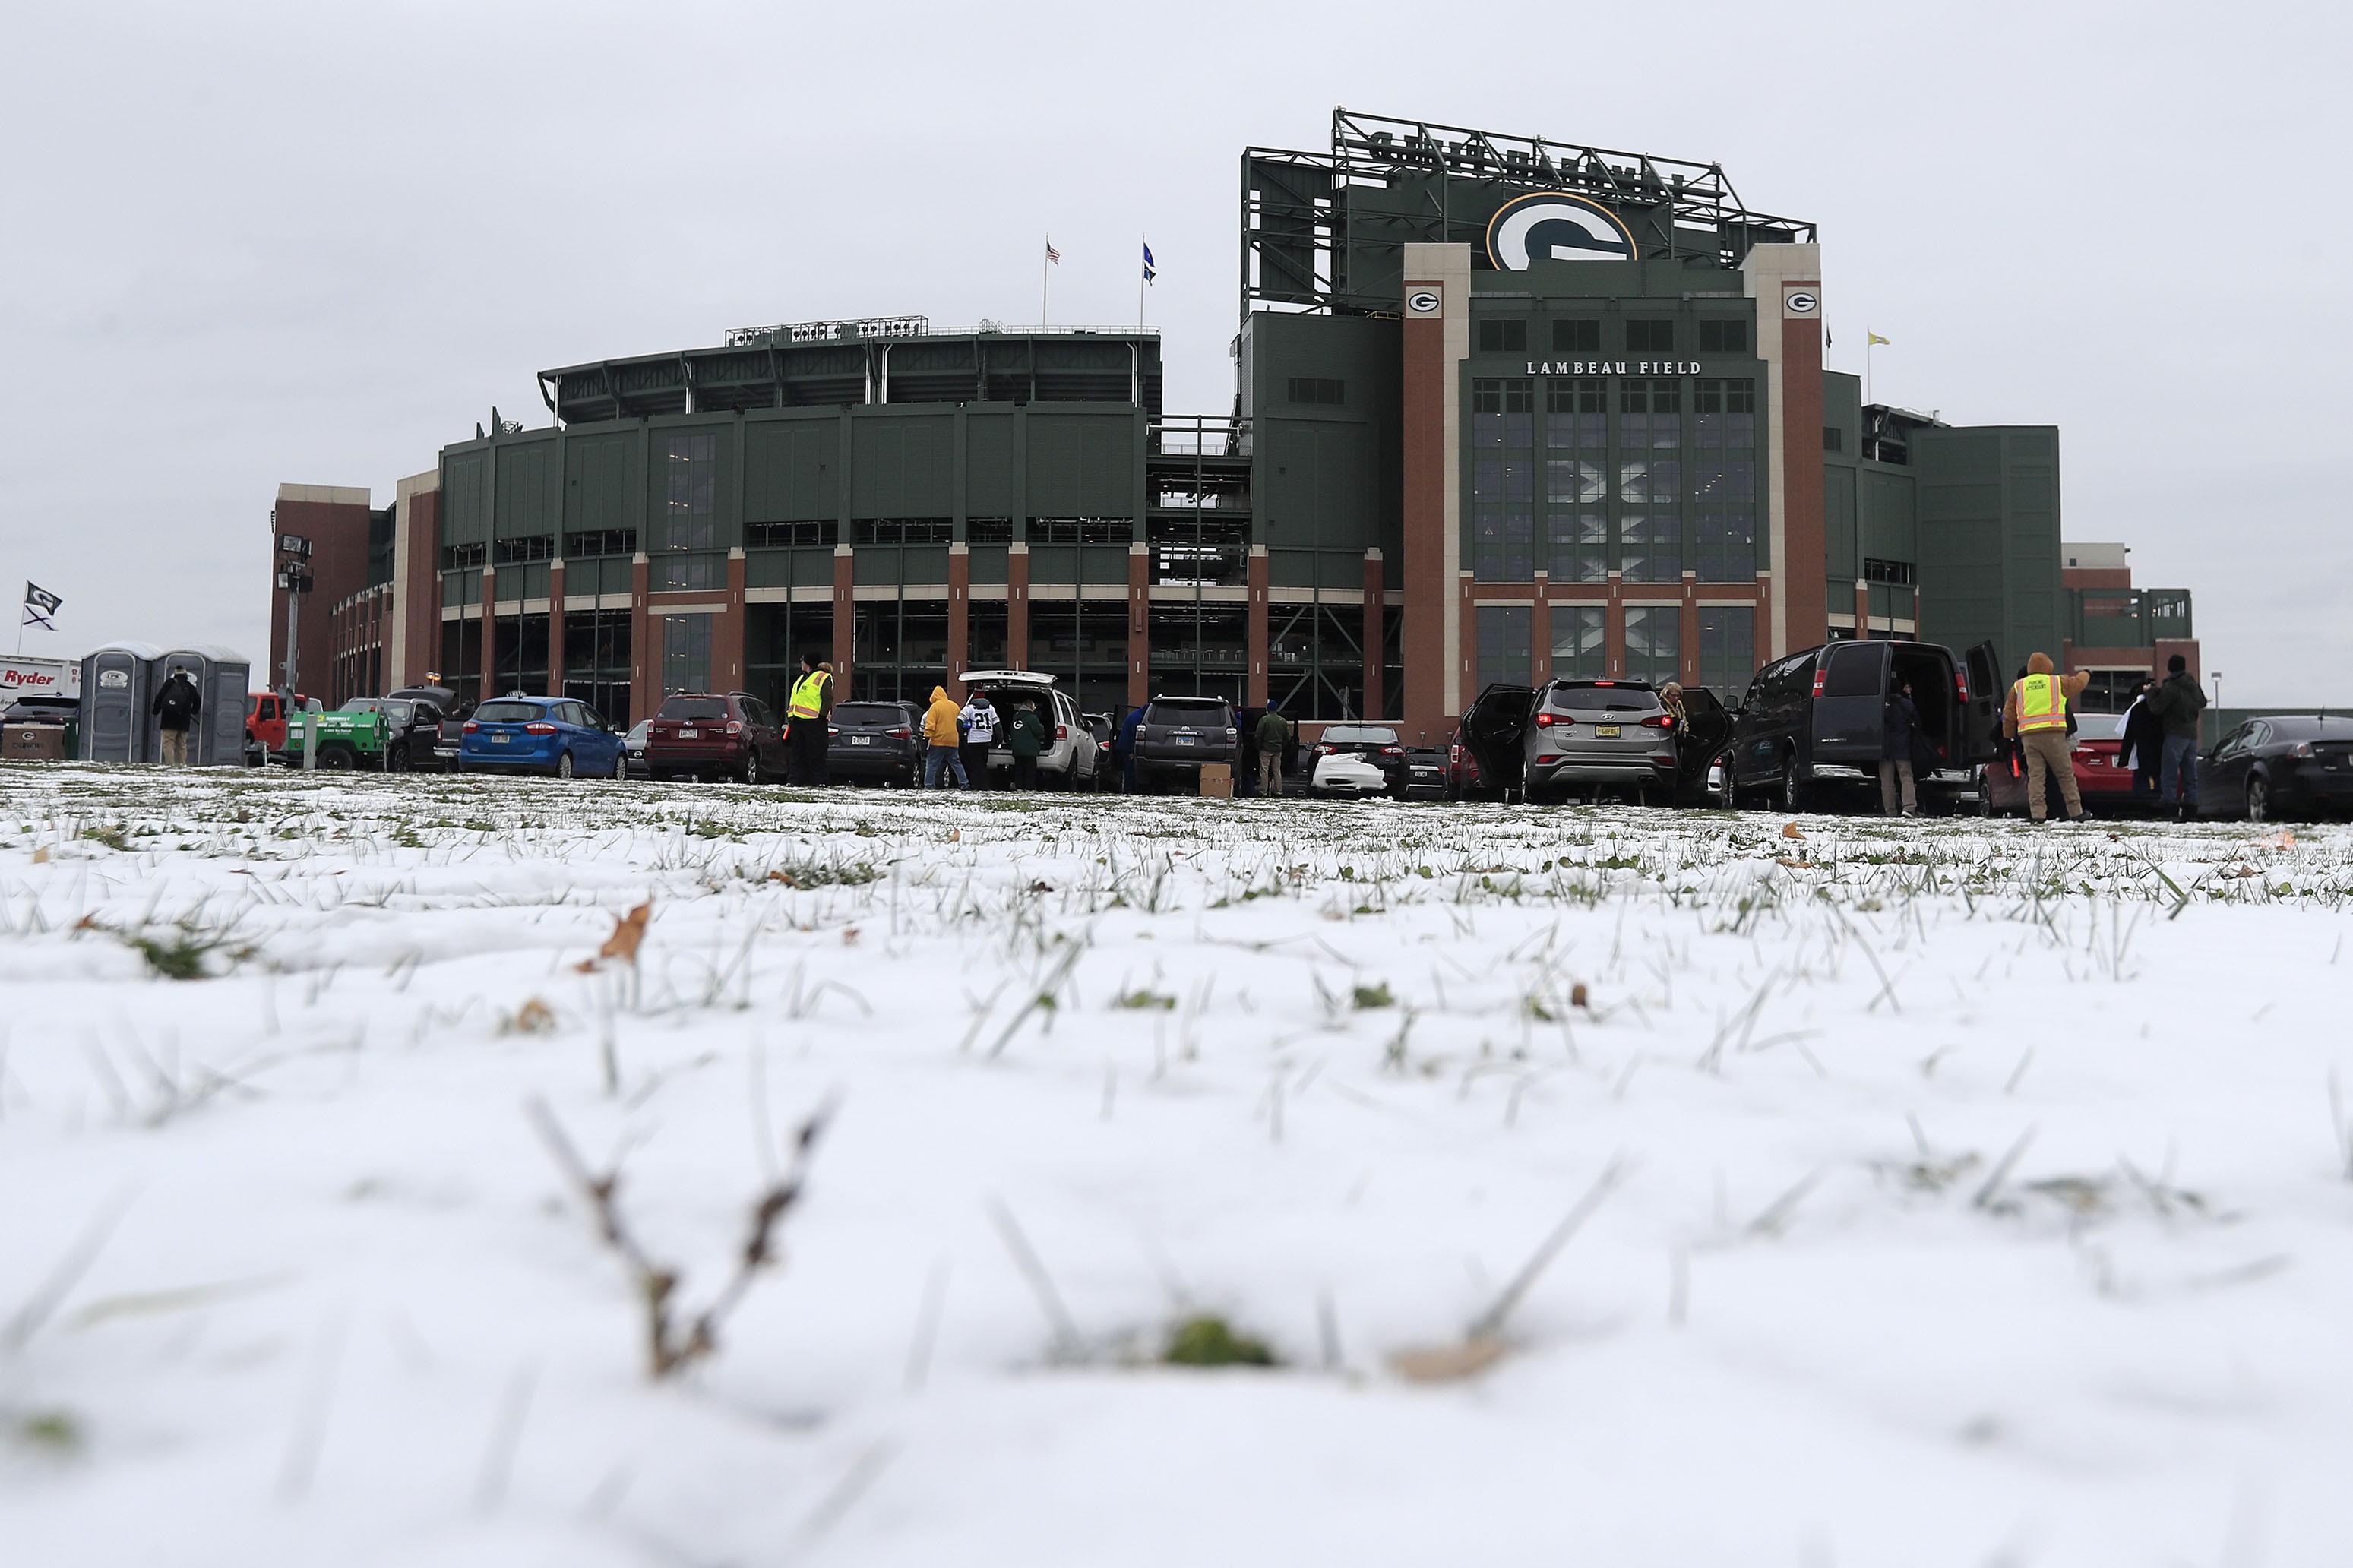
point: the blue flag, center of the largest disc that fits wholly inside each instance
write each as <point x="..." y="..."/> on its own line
<point x="1150" y="272"/>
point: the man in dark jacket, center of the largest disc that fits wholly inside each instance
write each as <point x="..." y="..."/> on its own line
<point x="176" y="707"/>
<point x="2177" y="704"/>
<point x="2144" y="741"/>
<point x="1025" y="737"/>
<point x="1272" y="740"/>
<point x="1902" y="737"/>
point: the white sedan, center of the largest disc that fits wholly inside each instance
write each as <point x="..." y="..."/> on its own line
<point x="1347" y="773"/>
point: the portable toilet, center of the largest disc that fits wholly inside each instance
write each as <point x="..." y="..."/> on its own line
<point x="220" y="674"/>
<point x="117" y="683"/>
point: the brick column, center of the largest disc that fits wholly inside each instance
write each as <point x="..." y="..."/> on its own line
<point x="1375" y="608"/>
<point x="1017" y="605"/>
<point x="1687" y="651"/>
<point x="1540" y="632"/>
<point x="1801" y="456"/>
<point x="959" y="604"/>
<point x="556" y="628"/>
<point x="1613" y="629"/>
<point x="845" y="619"/>
<point x="1139" y="625"/>
<point x="727" y="630"/>
<point x="1260" y="574"/>
<point x="490" y="631"/>
<point x="645" y="647"/>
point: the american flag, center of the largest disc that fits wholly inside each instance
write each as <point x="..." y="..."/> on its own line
<point x="1052" y="255"/>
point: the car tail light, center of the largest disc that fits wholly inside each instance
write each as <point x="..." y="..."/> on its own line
<point x="1660" y="722"/>
<point x="1605" y="683"/>
<point x="1821" y="673"/>
<point x="830" y="730"/>
<point x="1393" y="751"/>
<point x="2303" y="749"/>
<point x="1454" y="753"/>
<point x="1960" y="684"/>
<point x="1544" y="721"/>
<point x="733" y="728"/>
<point x="471" y="727"/>
<point x="903" y="734"/>
<point x="1062" y="732"/>
<point x="541" y="729"/>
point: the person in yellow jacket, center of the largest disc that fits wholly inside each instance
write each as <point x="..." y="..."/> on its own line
<point x="2036" y="718"/>
<point x="943" y="741"/>
<point x="808" y="720"/>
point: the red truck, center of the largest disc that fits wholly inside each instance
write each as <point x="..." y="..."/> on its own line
<point x="265" y="725"/>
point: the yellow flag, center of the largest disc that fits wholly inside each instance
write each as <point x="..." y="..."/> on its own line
<point x="1874" y="338"/>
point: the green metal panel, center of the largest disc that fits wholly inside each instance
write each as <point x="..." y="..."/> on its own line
<point x="789" y="468"/>
<point x="1842" y="559"/>
<point x="989" y="563"/>
<point x="990" y="488"/>
<point x="1054" y="564"/>
<point x="1327" y="475"/>
<point x="1888" y="529"/>
<point x="599" y="491"/>
<point x="531" y="584"/>
<point x="528" y="499"/>
<point x="1083" y="464"/>
<point x="465" y="519"/>
<point x="1102" y="563"/>
<point x="1988" y="535"/>
<point x="1291" y="568"/>
<point x="904" y="465"/>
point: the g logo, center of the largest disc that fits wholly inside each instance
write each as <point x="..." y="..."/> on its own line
<point x="1553" y="226"/>
<point x="1422" y="302"/>
<point x="1801" y="302"/>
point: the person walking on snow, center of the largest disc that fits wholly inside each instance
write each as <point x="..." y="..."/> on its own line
<point x="979" y="734"/>
<point x="941" y="755"/>
<point x="1273" y="737"/>
<point x="175" y="708"/>
<point x="2144" y="741"/>
<point x="1125" y="745"/>
<point x="2179" y="704"/>
<point x="1025" y="736"/>
<point x="2036" y="715"/>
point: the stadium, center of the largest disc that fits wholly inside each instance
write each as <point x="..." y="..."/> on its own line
<point x="1504" y="408"/>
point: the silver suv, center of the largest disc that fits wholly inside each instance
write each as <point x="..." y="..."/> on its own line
<point x="1599" y="734"/>
<point x="1069" y="760"/>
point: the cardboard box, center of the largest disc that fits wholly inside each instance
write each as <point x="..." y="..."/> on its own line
<point x="1216" y="781"/>
<point x="34" y="743"/>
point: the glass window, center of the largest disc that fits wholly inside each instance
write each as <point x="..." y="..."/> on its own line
<point x="686" y="653"/>
<point x="1651" y="547"/>
<point x="1854" y="671"/>
<point x="1504" y="653"/>
<point x="1576" y="337"/>
<point x="1654" y="643"/>
<point x="1577" y="413"/>
<point x="1728" y="411"/>
<point x="1720" y="336"/>
<point x="1502" y="543"/>
<point x="1502" y="337"/>
<point x="690" y="513"/>
<point x="1318" y="389"/>
<point x="1577" y="482"/>
<point x="1727" y="648"/>
<point x="1651" y="481"/>
<point x="1579" y="547"/>
<point x="1727" y="545"/>
<point x="1651" y="336"/>
<point x="1580" y="640"/>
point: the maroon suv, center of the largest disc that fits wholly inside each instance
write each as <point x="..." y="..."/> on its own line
<point x="709" y="735"/>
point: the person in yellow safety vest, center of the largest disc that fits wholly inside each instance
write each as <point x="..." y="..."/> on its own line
<point x="2036" y="717"/>
<point x="809" y="714"/>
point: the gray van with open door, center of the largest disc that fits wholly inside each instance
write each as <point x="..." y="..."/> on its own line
<point x="1811" y="729"/>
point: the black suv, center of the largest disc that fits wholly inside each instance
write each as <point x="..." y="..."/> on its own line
<point x="1178" y="734"/>
<point x="1815" y="722"/>
<point x="878" y="742"/>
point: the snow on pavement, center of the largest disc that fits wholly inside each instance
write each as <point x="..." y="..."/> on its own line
<point x="1956" y="1192"/>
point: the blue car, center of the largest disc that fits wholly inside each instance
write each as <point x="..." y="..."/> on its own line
<point x="542" y="735"/>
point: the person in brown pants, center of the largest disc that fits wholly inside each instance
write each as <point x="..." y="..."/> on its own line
<point x="2036" y="717"/>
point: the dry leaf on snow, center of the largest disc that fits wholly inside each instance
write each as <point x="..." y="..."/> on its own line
<point x="1791" y="830"/>
<point x="629" y="930"/>
<point x="1447" y="1364"/>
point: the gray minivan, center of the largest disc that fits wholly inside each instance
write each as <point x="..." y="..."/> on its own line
<point x="1813" y="723"/>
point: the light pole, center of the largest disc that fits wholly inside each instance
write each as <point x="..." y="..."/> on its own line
<point x="294" y="577"/>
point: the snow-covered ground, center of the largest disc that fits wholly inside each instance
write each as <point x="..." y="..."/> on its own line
<point x="1611" y="1186"/>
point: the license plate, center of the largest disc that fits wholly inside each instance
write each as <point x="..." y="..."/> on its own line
<point x="1607" y="731"/>
<point x="1188" y="740"/>
<point x="500" y="740"/>
<point x="690" y="734"/>
<point x="861" y="739"/>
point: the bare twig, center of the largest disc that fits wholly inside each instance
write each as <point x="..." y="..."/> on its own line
<point x="1033" y="1272"/>
<point x="1490" y="1324"/>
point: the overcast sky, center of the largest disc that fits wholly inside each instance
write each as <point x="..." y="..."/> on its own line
<point x="313" y="243"/>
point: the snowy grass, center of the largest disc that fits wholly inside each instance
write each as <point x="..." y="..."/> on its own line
<point x="1676" y="1188"/>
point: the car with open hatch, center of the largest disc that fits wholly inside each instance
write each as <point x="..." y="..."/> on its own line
<point x="1813" y="726"/>
<point x="1068" y="760"/>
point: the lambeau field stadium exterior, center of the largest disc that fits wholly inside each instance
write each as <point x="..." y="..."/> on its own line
<point x="1504" y="409"/>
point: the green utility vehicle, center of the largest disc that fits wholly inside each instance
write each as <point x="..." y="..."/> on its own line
<point x="352" y="736"/>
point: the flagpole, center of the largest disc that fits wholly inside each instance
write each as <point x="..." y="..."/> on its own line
<point x="1045" y="276"/>
<point x="1144" y="242"/>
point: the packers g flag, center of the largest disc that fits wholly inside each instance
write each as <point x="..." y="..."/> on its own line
<point x="40" y="605"/>
<point x="1875" y="338"/>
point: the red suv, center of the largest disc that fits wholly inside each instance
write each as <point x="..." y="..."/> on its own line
<point x="710" y="735"/>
